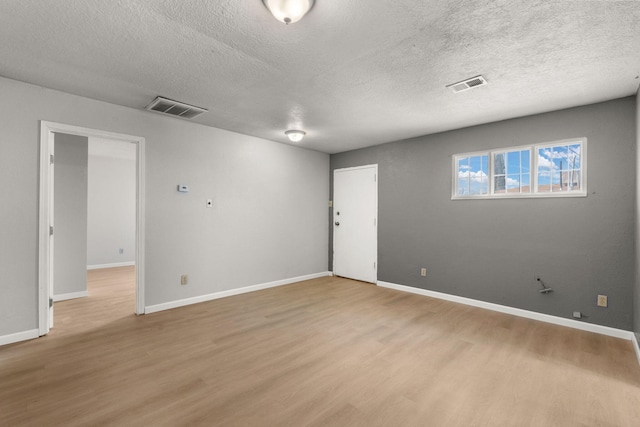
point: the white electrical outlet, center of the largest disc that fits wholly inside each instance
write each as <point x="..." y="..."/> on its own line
<point x="184" y="279"/>
<point x="423" y="272"/>
<point x="577" y="315"/>
<point x="603" y="301"/>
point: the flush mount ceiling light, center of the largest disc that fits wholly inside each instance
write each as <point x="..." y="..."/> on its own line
<point x="288" y="11"/>
<point x="295" y="135"/>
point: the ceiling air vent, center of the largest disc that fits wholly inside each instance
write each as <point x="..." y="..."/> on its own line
<point x="175" y="108"/>
<point x="468" y="84"/>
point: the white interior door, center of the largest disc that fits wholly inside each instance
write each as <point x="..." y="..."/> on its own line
<point x="355" y="223"/>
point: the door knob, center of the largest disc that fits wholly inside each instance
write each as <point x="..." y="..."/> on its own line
<point x="337" y="223"/>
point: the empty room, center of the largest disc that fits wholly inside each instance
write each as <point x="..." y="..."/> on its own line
<point x="319" y="213"/>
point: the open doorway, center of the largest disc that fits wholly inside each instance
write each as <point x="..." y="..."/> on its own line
<point x="111" y="203"/>
<point x="95" y="229"/>
<point x="129" y="146"/>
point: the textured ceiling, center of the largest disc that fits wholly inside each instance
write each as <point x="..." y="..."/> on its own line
<point x="352" y="73"/>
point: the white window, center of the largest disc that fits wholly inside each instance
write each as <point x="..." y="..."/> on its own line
<point x="472" y="175"/>
<point x="512" y="171"/>
<point x="546" y="170"/>
<point x="560" y="167"/>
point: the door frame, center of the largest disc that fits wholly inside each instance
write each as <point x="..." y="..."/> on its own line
<point x="333" y="228"/>
<point x="45" y="247"/>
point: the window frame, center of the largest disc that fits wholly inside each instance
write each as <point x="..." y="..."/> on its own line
<point x="455" y="172"/>
<point x="533" y="172"/>
<point x="493" y="174"/>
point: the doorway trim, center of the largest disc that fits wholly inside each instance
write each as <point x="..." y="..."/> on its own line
<point x="47" y="130"/>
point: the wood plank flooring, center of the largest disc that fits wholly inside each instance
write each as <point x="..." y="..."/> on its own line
<point x="324" y="352"/>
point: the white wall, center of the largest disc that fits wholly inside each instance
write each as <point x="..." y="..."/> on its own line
<point x="268" y="221"/>
<point x="70" y="217"/>
<point x="111" y="203"/>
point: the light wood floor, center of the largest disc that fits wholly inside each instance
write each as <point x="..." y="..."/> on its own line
<point x="325" y="352"/>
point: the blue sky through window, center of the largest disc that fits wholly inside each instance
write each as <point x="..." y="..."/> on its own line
<point x="473" y="175"/>
<point x="559" y="168"/>
<point x="512" y="171"/>
<point x="521" y="171"/>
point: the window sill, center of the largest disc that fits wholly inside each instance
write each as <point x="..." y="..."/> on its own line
<point x="523" y="196"/>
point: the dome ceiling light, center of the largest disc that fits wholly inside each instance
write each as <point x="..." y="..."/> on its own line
<point x="288" y="11"/>
<point x="295" y="135"/>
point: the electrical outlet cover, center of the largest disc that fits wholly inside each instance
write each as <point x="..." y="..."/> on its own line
<point x="602" y="301"/>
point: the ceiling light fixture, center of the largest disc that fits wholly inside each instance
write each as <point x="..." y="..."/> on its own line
<point x="295" y="135"/>
<point x="288" y="11"/>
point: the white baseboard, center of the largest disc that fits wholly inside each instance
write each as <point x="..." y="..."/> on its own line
<point x="112" y="265"/>
<point x="598" y="329"/>
<point x="71" y="295"/>
<point x="20" y="336"/>
<point x="634" y="339"/>
<point x="188" y="301"/>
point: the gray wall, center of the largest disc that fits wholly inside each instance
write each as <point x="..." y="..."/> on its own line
<point x="269" y="220"/>
<point x="70" y="214"/>
<point x="490" y="250"/>
<point x="112" y="203"/>
<point x="636" y="298"/>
